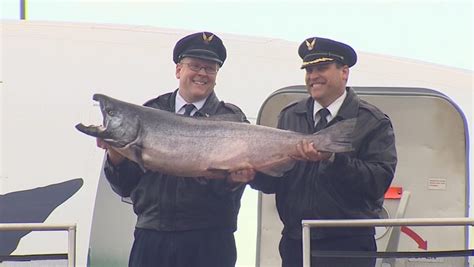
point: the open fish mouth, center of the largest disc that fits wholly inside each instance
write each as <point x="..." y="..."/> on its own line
<point x="119" y="127"/>
<point x="93" y="130"/>
<point x="96" y="130"/>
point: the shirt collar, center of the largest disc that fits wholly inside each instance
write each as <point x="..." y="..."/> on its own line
<point x="180" y="102"/>
<point x="333" y="107"/>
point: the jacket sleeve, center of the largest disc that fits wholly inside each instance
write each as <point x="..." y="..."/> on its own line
<point x="371" y="169"/>
<point x="124" y="177"/>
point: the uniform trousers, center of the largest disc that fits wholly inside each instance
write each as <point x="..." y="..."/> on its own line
<point x="291" y="251"/>
<point x="196" y="248"/>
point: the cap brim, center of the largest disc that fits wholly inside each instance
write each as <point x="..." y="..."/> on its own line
<point x="202" y="54"/>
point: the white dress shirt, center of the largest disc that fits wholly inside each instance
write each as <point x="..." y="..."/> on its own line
<point x="180" y="102"/>
<point x="333" y="108"/>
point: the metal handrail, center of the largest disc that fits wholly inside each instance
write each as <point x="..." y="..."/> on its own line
<point x="307" y="224"/>
<point x="71" y="228"/>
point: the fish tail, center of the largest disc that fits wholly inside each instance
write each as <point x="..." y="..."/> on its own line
<point x="337" y="138"/>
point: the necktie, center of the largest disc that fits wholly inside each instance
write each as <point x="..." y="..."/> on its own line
<point x="323" y="113"/>
<point x="188" y="108"/>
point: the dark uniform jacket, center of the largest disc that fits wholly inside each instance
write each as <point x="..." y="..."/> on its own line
<point x="169" y="203"/>
<point x="350" y="187"/>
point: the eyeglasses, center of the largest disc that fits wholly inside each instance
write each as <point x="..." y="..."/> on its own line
<point x="196" y="68"/>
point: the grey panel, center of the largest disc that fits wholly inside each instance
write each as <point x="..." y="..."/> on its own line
<point x="113" y="224"/>
<point x="431" y="139"/>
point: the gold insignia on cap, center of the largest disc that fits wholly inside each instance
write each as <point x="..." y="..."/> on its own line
<point x="311" y="45"/>
<point x="206" y="39"/>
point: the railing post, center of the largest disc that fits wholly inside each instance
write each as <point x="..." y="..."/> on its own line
<point x="71" y="252"/>
<point x="71" y="228"/>
<point x="308" y="224"/>
<point x="306" y="239"/>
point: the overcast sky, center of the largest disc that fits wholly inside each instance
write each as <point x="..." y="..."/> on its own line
<point x="437" y="31"/>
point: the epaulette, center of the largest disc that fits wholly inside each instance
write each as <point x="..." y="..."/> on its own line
<point x="150" y="102"/>
<point x="159" y="101"/>
<point x="290" y="105"/>
<point x="239" y="114"/>
<point x="232" y="107"/>
<point x="374" y="110"/>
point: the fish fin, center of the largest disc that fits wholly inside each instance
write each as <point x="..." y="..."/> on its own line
<point x="223" y="117"/>
<point x="217" y="173"/>
<point x="336" y="138"/>
<point x="278" y="167"/>
<point x="141" y="164"/>
<point x="135" y="157"/>
<point x="114" y="143"/>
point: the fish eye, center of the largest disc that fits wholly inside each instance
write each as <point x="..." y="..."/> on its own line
<point x="110" y="112"/>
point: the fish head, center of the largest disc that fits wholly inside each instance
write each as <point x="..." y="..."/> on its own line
<point x="121" y="125"/>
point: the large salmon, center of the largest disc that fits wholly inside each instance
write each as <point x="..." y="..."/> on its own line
<point x="162" y="141"/>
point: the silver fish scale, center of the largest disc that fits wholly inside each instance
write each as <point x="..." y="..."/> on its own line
<point x="185" y="146"/>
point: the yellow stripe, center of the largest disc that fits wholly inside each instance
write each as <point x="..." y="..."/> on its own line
<point x="323" y="59"/>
